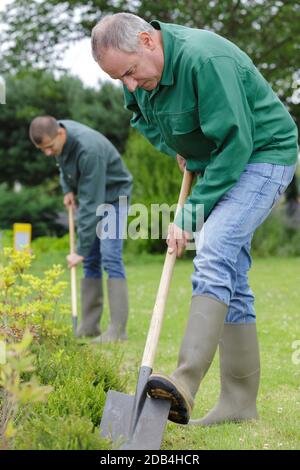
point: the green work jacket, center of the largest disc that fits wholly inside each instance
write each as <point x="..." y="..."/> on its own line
<point x="213" y="107"/>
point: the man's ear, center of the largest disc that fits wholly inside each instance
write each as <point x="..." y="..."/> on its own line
<point x="147" y="40"/>
<point x="61" y="132"/>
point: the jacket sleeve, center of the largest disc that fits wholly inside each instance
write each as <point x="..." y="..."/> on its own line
<point x="149" y="130"/>
<point x="65" y="187"/>
<point x="90" y="194"/>
<point x="226" y="118"/>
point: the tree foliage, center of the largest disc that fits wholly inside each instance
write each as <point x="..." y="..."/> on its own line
<point x="156" y="180"/>
<point x="36" y="32"/>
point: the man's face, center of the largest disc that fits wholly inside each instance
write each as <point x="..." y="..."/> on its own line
<point x="52" y="147"/>
<point x="142" y="69"/>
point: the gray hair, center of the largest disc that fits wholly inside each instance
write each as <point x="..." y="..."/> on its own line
<point x="119" y="31"/>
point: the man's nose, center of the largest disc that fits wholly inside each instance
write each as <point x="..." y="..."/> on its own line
<point x="131" y="83"/>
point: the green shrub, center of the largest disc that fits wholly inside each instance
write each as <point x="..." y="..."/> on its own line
<point x="29" y="302"/>
<point x="49" y="244"/>
<point x="33" y="206"/>
<point x="70" y="360"/>
<point x="6" y="239"/>
<point x="156" y="176"/>
<point x="39" y="245"/>
<point x="81" y="378"/>
<point x="156" y="180"/>
<point x="75" y="377"/>
<point x="59" y="433"/>
<point x="15" y="390"/>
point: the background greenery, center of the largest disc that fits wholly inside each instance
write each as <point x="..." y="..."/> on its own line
<point x="267" y="30"/>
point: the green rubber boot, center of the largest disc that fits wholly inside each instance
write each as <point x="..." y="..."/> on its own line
<point x="198" y="348"/>
<point x="91" y="307"/>
<point x="240" y="373"/>
<point x="118" y="304"/>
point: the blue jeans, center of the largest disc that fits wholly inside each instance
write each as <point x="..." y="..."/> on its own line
<point x="106" y="253"/>
<point x="223" y="246"/>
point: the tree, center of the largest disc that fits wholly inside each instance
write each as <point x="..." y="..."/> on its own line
<point x="36" y="32"/>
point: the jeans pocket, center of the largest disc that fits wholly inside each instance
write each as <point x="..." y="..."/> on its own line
<point x="287" y="176"/>
<point x="289" y="172"/>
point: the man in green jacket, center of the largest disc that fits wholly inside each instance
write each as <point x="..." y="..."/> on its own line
<point x="93" y="175"/>
<point x="196" y="95"/>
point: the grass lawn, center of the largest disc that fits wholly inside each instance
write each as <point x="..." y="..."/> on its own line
<point x="276" y="284"/>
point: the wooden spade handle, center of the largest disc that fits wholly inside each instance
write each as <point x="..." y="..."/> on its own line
<point x="73" y="269"/>
<point x="163" y="290"/>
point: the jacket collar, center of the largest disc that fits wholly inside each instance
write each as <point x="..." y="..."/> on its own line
<point x="167" y="78"/>
<point x="68" y="144"/>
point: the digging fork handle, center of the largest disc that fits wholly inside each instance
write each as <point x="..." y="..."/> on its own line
<point x="163" y="290"/>
<point x="73" y="270"/>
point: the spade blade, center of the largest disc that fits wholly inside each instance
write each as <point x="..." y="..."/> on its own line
<point x="116" y="423"/>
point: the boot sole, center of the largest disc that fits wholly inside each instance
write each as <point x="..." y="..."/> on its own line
<point x="162" y="387"/>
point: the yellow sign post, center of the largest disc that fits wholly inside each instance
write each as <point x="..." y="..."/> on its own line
<point x="22" y="236"/>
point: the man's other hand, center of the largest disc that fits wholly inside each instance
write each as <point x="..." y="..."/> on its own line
<point x="181" y="162"/>
<point x="69" y="200"/>
<point x="177" y="240"/>
<point x="74" y="259"/>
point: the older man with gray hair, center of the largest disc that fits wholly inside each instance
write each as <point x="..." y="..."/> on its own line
<point x="197" y="95"/>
